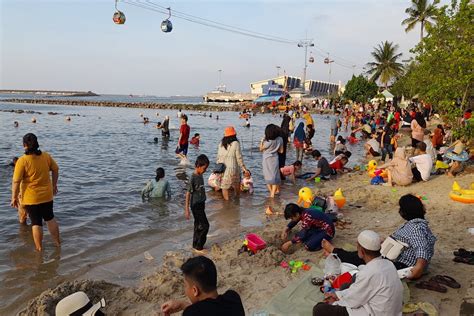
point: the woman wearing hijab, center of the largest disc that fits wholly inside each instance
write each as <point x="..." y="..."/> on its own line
<point x="398" y="169"/>
<point x="298" y="141"/>
<point x="285" y="134"/>
<point x="230" y="154"/>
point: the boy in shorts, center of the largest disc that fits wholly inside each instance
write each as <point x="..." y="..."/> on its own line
<point x="182" y="148"/>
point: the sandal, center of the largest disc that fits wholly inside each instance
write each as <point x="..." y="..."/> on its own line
<point x="461" y="252"/>
<point x="446" y="280"/>
<point x="432" y="286"/>
<point x="464" y="260"/>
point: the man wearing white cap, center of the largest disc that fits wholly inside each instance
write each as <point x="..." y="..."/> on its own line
<point x="377" y="289"/>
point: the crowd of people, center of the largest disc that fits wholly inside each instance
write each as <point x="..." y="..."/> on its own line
<point x="377" y="289"/>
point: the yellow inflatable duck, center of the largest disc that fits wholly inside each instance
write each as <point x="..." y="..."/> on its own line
<point x="339" y="199"/>
<point x="305" y="195"/>
<point x="373" y="171"/>
<point x="459" y="195"/>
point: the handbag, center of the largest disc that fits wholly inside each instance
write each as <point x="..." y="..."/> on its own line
<point x="392" y="248"/>
<point x="220" y="168"/>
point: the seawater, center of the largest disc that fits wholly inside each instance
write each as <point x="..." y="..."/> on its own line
<point x="106" y="155"/>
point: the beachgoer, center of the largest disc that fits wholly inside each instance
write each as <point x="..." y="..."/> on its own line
<point x="247" y="182"/>
<point x="298" y="141"/>
<point x="179" y="114"/>
<point x="195" y="140"/>
<point x="339" y="166"/>
<point x="398" y="169"/>
<point x="165" y="127"/>
<point x="377" y="289"/>
<point x="340" y="147"/>
<point x="271" y="145"/>
<point x="423" y="163"/>
<point x="247" y="123"/>
<point x="386" y="142"/>
<point x="196" y="198"/>
<point x="323" y="170"/>
<point x="292" y="170"/>
<point x="37" y="190"/>
<point x="335" y="124"/>
<point x="315" y="225"/>
<point x="230" y="154"/>
<point x="200" y="287"/>
<point x="15" y="124"/>
<point x="437" y="139"/>
<point x="418" y="126"/>
<point x="182" y="148"/>
<point x="309" y="120"/>
<point x="456" y="155"/>
<point x="158" y="187"/>
<point x="372" y="147"/>
<point x="415" y="232"/>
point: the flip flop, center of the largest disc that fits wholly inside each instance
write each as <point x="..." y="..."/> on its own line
<point x="432" y="286"/>
<point x="446" y="280"/>
<point x="461" y="252"/>
<point x="464" y="260"/>
<point x="428" y="308"/>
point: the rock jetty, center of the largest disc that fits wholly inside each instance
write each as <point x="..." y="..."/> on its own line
<point x="146" y="105"/>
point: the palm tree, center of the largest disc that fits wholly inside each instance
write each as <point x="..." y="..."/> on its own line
<point x="421" y="11"/>
<point x="386" y="65"/>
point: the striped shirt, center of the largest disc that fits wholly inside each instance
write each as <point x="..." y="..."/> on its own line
<point x="417" y="234"/>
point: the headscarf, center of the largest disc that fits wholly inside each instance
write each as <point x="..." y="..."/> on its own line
<point x="299" y="132"/>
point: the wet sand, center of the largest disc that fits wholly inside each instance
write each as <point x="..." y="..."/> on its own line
<point x="257" y="278"/>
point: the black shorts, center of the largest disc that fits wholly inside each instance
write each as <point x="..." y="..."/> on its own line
<point x="40" y="212"/>
<point x="414" y="142"/>
<point x="182" y="149"/>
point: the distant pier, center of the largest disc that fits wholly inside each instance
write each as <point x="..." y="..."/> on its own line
<point x="52" y="93"/>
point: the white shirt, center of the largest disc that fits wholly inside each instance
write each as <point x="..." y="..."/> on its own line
<point x="376" y="291"/>
<point x="374" y="144"/>
<point x="424" y="164"/>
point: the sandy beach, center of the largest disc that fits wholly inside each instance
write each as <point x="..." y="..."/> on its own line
<point x="258" y="278"/>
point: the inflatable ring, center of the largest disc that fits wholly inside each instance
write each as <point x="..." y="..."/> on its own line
<point x="463" y="156"/>
<point x="460" y="195"/>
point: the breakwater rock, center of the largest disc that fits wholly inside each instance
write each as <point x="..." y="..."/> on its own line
<point x="143" y="105"/>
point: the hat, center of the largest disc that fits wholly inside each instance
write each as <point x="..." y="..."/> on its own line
<point x="369" y="240"/>
<point x="229" y="131"/>
<point x="78" y="304"/>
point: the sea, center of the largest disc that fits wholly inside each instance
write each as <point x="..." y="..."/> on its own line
<point x="106" y="156"/>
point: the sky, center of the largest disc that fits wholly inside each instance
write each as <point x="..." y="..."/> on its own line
<point x="74" y="45"/>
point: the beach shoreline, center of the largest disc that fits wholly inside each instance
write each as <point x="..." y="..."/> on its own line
<point x="258" y="278"/>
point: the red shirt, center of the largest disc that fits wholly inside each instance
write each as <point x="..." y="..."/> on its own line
<point x="337" y="165"/>
<point x="184" y="130"/>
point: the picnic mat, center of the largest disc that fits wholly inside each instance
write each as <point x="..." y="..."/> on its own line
<point x="299" y="297"/>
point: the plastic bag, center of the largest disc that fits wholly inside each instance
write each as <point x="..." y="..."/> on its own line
<point x="332" y="265"/>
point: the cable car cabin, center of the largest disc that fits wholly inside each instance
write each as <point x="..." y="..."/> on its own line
<point x="311" y="59"/>
<point x="166" y="26"/>
<point x="119" y="17"/>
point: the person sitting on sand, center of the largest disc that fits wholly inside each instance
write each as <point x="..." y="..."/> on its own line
<point x="339" y="166"/>
<point x="323" y="170"/>
<point x="398" y="169"/>
<point x="377" y="289"/>
<point x="315" y="225"/>
<point x="423" y="163"/>
<point x="415" y="232"/>
<point x="200" y="287"/>
<point x="158" y="187"/>
<point x="372" y="147"/>
<point x="291" y="170"/>
<point x="456" y="153"/>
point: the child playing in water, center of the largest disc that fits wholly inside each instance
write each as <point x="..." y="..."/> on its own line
<point x="292" y="170"/>
<point x="158" y="187"/>
<point x="195" y="140"/>
<point x="338" y="166"/>
<point x="215" y="180"/>
<point x="196" y="198"/>
<point x="247" y="182"/>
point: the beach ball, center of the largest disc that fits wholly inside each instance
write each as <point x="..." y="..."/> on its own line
<point x="306" y="195"/>
<point x="339" y="198"/>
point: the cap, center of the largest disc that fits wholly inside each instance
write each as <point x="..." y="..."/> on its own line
<point x="78" y="304"/>
<point x="229" y="131"/>
<point x="369" y="240"/>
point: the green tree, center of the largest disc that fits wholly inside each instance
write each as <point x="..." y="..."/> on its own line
<point x="386" y="65"/>
<point x="443" y="71"/>
<point x="421" y="11"/>
<point x="360" y="89"/>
